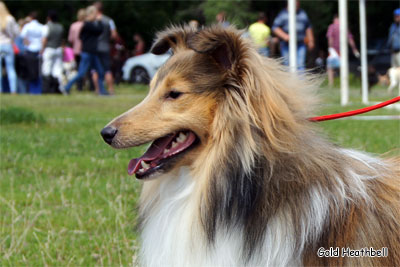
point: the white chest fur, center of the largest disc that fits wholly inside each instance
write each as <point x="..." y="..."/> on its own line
<point x="172" y="235"/>
<point x="167" y="230"/>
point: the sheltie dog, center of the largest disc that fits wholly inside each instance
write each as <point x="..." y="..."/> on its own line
<point x="236" y="174"/>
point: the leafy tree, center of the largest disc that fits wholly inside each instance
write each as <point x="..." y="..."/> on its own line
<point x="237" y="11"/>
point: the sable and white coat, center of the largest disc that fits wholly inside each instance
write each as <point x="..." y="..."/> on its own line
<point x="261" y="186"/>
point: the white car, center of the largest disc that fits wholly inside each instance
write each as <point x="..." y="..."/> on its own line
<point x="141" y="69"/>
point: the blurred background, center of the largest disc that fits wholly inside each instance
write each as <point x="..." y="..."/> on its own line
<point x="65" y="196"/>
<point x="147" y="17"/>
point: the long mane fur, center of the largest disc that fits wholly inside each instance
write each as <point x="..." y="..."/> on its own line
<point x="267" y="182"/>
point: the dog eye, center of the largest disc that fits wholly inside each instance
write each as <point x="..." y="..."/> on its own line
<point x="173" y="94"/>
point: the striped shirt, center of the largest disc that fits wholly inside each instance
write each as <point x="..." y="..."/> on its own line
<point x="302" y="23"/>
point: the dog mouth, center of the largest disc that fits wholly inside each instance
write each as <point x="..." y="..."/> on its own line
<point x="161" y="153"/>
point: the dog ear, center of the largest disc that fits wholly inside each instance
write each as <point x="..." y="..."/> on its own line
<point x="161" y="45"/>
<point x="173" y="37"/>
<point x="223" y="45"/>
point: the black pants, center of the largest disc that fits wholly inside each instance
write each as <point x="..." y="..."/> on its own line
<point x="32" y="61"/>
<point x="79" y="84"/>
<point x="50" y="85"/>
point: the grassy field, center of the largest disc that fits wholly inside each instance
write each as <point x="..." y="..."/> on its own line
<point x="65" y="196"/>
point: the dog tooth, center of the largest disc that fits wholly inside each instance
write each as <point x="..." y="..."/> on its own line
<point x="166" y="151"/>
<point x="181" y="138"/>
<point x="145" y="165"/>
<point x="174" y="144"/>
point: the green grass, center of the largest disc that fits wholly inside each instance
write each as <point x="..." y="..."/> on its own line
<point x="19" y="115"/>
<point x="65" y="196"/>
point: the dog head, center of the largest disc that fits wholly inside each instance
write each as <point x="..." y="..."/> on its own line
<point x="177" y="114"/>
<point x="210" y="90"/>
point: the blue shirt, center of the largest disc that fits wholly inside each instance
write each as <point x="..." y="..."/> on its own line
<point x="302" y="23"/>
<point x="394" y="37"/>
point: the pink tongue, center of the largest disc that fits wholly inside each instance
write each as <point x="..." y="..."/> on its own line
<point x="154" y="151"/>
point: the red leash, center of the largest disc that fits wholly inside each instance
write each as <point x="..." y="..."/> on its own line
<point x="354" y="112"/>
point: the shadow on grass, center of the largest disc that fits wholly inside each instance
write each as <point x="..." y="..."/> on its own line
<point x="15" y="114"/>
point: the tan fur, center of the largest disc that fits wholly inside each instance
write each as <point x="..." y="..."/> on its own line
<point x="251" y="115"/>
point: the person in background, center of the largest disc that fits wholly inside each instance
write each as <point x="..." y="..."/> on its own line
<point x="32" y="33"/>
<point x="394" y="39"/>
<point x="8" y="31"/>
<point x="333" y="60"/>
<point x="69" y="64"/>
<point x="221" y="19"/>
<point x="119" y="54"/>
<point x="320" y="61"/>
<point x="304" y="33"/>
<point x="73" y="38"/>
<point x="194" y="24"/>
<point x="140" y="45"/>
<point x="21" y="66"/>
<point x="52" y="54"/>
<point x="89" y="35"/>
<point x="104" y="46"/>
<point x="260" y="34"/>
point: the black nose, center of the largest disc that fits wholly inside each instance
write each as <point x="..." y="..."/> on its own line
<point x="108" y="134"/>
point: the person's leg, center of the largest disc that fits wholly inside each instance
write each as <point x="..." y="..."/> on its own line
<point x="110" y="81"/>
<point x="46" y="69"/>
<point x="83" y="68"/>
<point x="20" y="69"/>
<point x="105" y="61"/>
<point x="264" y="51"/>
<point x="395" y="60"/>
<point x="10" y="68"/>
<point x="79" y="84"/>
<point x="332" y="64"/>
<point x="22" y="86"/>
<point x="95" y="80"/>
<point x="1" y="68"/>
<point x="285" y="53"/>
<point x="331" y="76"/>
<point x="53" y="81"/>
<point x="57" y="71"/>
<point x="392" y="73"/>
<point x="32" y="63"/>
<point x="100" y="71"/>
<point x="301" y="56"/>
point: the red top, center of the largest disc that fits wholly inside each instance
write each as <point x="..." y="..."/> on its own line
<point x="334" y="33"/>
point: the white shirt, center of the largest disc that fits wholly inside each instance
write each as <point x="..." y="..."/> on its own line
<point x="33" y="32"/>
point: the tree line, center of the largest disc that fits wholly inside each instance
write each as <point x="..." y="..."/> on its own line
<point x="147" y="17"/>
